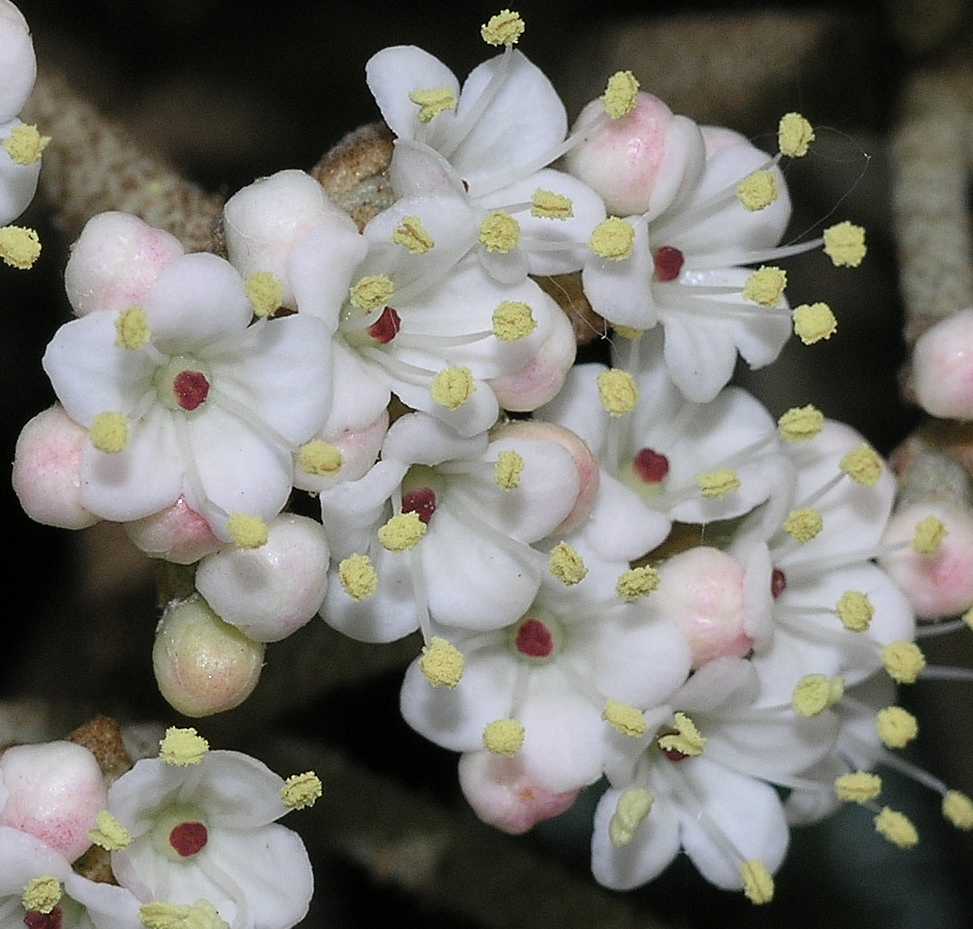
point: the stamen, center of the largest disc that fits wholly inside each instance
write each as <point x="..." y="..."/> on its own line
<point x="201" y="915"/>
<point x="637" y="583"/>
<point x="794" y="135"/>
<point x="814" y="323"/>
<point x="42" y="894"/>
<point x="182" y="748"/>
<point x="717" y="484"/>
<point x="729" y="258"/>
<point x="431" y="103"/>
<point x="508" y="470"/>
<point x="858" y="787"/>
<point x="613" y="239"/>
<point x="935" y="629"/>
<point x="110" y="433"/>
<point x="546" y="204"/>
<point x="25" y="145"/>
<point x="266" y="293"/>
<point x="500" y="233"/>
<point x="686" y="740"/>
<point x="371" y="292"/>
<point x="133" y="330"/>
<point x="301" y="791"/>
<point x="504" y="737"/>
<point x="453" y="387"/>
<point x="513" y="321"/>
<point x="358" y="577"/>
<point x="863" y="465"/>
<point x="855" y="611"/>
<point x="247" y="531"/>
<point x="618" y="391"/>
<point x="897" y="828"/>
<point x="903" y="661"/>
<point x="896" y="727"/>
<point x="412" y="235"/>
<point x="319" y="458"/>
<point x="799" y="424"/>
<point x="567" y="565"/>
<point x="757" y="191"/>
<point x="942" y="673"/>
<point x="632" y="809"/>
<point x="626" y="719"/>
<point x="668" y="263"/>
<point x="758" y="883"/>
<point x="621" y="95"/>
<point x="929" y="536"/>
<point x="442" y="663"/>
<point x="109" y="833"/>
<point x="845" y="245"/>
<point x="402" y="532"/>
<point x="766" y="286"/>
<point x="815" y="693"/>
<point x="503" y="28"/>
<point x="958" y="809"/>
<point x="804" y="525"/>
<point x="20" y="247"/>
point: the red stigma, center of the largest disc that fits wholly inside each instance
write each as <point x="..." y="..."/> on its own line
<point x="191" y="389"/>
<point x="421" y="501"/>
<point x="668" y="263"/>
<point x="188" y="839"/>
<point x="52" y="920"/>
<point x="778" y="583"/>
<point x="534" y="639"/>
<point x="386" y="327"/>
<point x="651" y="466"/>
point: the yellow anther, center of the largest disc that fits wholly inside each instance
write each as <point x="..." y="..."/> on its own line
<point x="633" y="806"/>
<point x="42" y="894"/>
<point x="958" y="809"/>
<point x="507" y="470"/>
<point x="265" y="292"/>
<point x="863" y="465"/>
<point x="504" y="737"/>
<point x="432" y="102"/>
<point x="567" y="565"/>
<point x="897" y="828"/>
<point x="686" y="739"/>
<point x="845" y="245"/>
<point x="800" y="423"/>
<point x="803" y="525"/>
<point x="402" y="532"/>
<point x="929" y="536"/>
<point x="25" y="145"/>
<point x="371" y="292"/>
<point x="626" y="719"/>
<point x="757" y="191"/>
<point x="621" y="95"/>
<point x="815" y="693"/>
<point x="855" y="611"/>
<point x="442" y="663"/>
<point x="109" y="833"/>
<point x="618" y="391"/>
<point x="500" y="233"/>
<point x="247" y="531"/>
<point x="896" y="727"/>
<point x="132" y="329"/>
<point x="504" y="28"/>
<point x="636" y="583"/>
<point x="319" y="458"/>
<point x="301" y="791"/>
<point x="758" y="883"/>
<point x="858" y="787"/>
<point x="627" y="332"/>
<point x="513" y="321"/>
<point x="717" y="484"/>
<point x="766" y="286"/>
<point x="794" y="135"/>
<point x="453" y="387"/>
<point x="903" y="661"/>
<point x="546" y="204"/>
<point x="613" y="240"/>
<point x="20" y="247"/>
<point x="110" y="433"/>
<point x="201" y="915"/>
<point x="968" y="618"/>
<point x="182" y="748"/>
<point x="412" y="235"/>
<point x="358" y="577"/>
<point x="814" y="322"/>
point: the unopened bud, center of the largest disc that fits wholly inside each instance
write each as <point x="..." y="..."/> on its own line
<point x="177" y="534"/>
<point x="942" y="367"/>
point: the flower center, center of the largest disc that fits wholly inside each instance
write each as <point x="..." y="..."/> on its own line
<point x="179" y="832"/>
<point x="668" y="263"/>
<point x="183" y="384"/>
<point x="386" y="327"/>
<point x="188" y="839"/>
<point x="534" y="639"/>
<point x="421" y="501"/>
<point x="778" y="583"/>
<point x="190" y="389"/>
<point x="52" y="920"/>
<point x="650" y="466"/>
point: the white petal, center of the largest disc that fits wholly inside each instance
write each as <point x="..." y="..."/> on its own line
<point x="18" y="183"/>
<point x="22" y="858"/>
<point x="578" y="407"/>
<point x="151" y="876"/>
<point x="620" y="527"/>
<point x="620" y="290"/>
<point x="700" y="355"/>
<point x="509" y="268"/>
<point x="725" y="683"/>
<point x="18" y="66"/>
<point x="107" y="906"/>
<point x="360" y="394"/>
<point x="418" y="170"/>
<point x="420" y="439"/>
<point x="476" y="415"/>
<point x="791" y="656"/>
<point x="358" y="450"/>
<point x="806" y="806"/>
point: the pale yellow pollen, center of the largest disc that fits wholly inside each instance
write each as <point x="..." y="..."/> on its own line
<point x="717" y="484"/>
<point x="903" y="661"/>
<point x="858" y="787"/>
<point x="109" y="833"/>
<point x="25" y="145"/>
<point x="132" y="329"/>
<point x="504" y="737"/>
<point x="266" y="293"/>
<point x="958" y="809"/>
<point x="896" y="727"/>
<point x="442" y="663"/>
<point x="815" y="693"/>
<point x="632" y="809"/>
<point x="358" y="577"/>
<point x="814" y="322"/>
<point x="758" y="883"/>
<point x="402" y="532"/>
<point x="508" y="470"/>
<point x="897" y="828"/>
<point x="319" y="458"/>
<point x="800" y="423"/>
<point x="432" y="102"/>
<point x="803" y="525"/>
<point x="41" y="894"/>
<point x="855" y="611"/>
<point x="618" y="391"/>
<point x="412" y="235"/>
<point x="301" y="791"/>
<point x="504" y="28"/>
<point x="794" y="135"/>
<point x="109" y="433"/>
<point x="20" y="247"/>
<point x="929" y="536"/>
<point x="637" y="583"/>
<point x="863" y="465"/>
<point x="247" y="531"/>
<point x="567" y="565"/>
<point x="626" y="719"/>
<point x="201" y="915"/>
<point x="627" y="332"/>
<point x="621" y="95"/>
<point x="500" y="233"/>
<point x="546" y="204"/>
<point x="371" y="292"/>
<point x="182" y="748"/>
<point x="453" y="387"/>
<point x="513" y="321"/>
<point x="686" y="739"/>
<point x="845" y="245"/>
<point x="757" y="191"/>
<point x="766" y="286"/>
<point x="613" y="239"/>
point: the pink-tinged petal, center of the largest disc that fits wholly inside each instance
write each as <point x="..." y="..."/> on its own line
<point x="619" y="290"/>
<point x="758" y="600"/>
<point x="417" y="438"/>
<point x="578" y="407"/>
<point x="177" y="534"/>
<point x="358" y="450"/>
<point x="107" y="906"/>
<point x="17" y="62"/>
<point x="680" y="172"/>
<point x="22" y="858"/>
<point x="18" y="183"/>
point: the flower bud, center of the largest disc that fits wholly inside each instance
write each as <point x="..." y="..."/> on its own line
<point x="177" y="534"/>
<point x="54" y="792"/>
<point x="942" y="367"/>
<point x="202" y="664"/>
<point x="47" y="470"/>
<point x="356" y="453"/>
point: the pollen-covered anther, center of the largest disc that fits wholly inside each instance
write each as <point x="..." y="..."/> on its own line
<point x="265" y="292"/>
<point x="42" y="894"/>
<point x="686" y="740"/>
<point x="508" y="470"/>
<point x="442" y="663"/>
<point x="855" y="611"/>
<point x="546" y="204"/>
<point x="503" y="28"/>
<point x="358" y="577"/>
<point x="858" y="787"/>
<point x="20" y="247"/>
<point x="717" y="484"/>
<point x="182" y="748"/>
<point x="896" y="727"/>
<point x="800" y="423"/>
<point x="815" y="693"/>
<point x="632" y="809"/>
<point x="453" y="387"/>
<point x="621" y="94"/>
<point x="626" y="719"/>
<point x="412" y="235"/>
<point x="500" y="233"/>
<point x="201" y="915"/>
<point x="794" y="135"/>
<point x="247" y="531"/>
<point x="301" y="791"/>
<point x="863" y="465"/>
<point x="110" y="433"/>
<point x="758" y="882"/>
<point x="319" y="458"/>
<point x="371" y="292"/>
<point x="897" y="828"/>
<point x="567" y="565"/>
<point x="132" y="329"/>
<point x="109" y="833"/>
<point x="504" y="737"/>
<point x="618" y="391"/>
<point x="845" y="245"/>
<point x="958" y="809"/>
<point x="757" y="191"/>
<point x="513" y="321"/>
<point x="25" y="145"/>
<point x="766" y="286"/>
<point x="803" y="525"/>
<point x="929" y="536"/>
<point x="814" y="322"/>
<point x="637" y="583"/>
<point x="432" y="102"/>
<point x="402" y="532"/>
<point x="613" y="239"/>
<point x="903" y="661"/>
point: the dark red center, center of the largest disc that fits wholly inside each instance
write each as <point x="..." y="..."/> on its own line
<point x="188" y="838"/>
<point x="386" y="327"/>
<point x="672" y="754"/>
<point x="52" y="920"/>
<point x="668" y="263"/>
<point x="534" y="639"/>
<point x="651" y="466"/>
<point x="191" y="389"/>
<point x="421" y="501"/>
<point x="778" y="583"/>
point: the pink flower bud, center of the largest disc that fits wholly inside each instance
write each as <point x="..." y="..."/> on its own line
<point x="55" y="792"/>
<point x="177" y="534"/>
<point x="942" y="367"/>
<point x="47" y="470"/>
